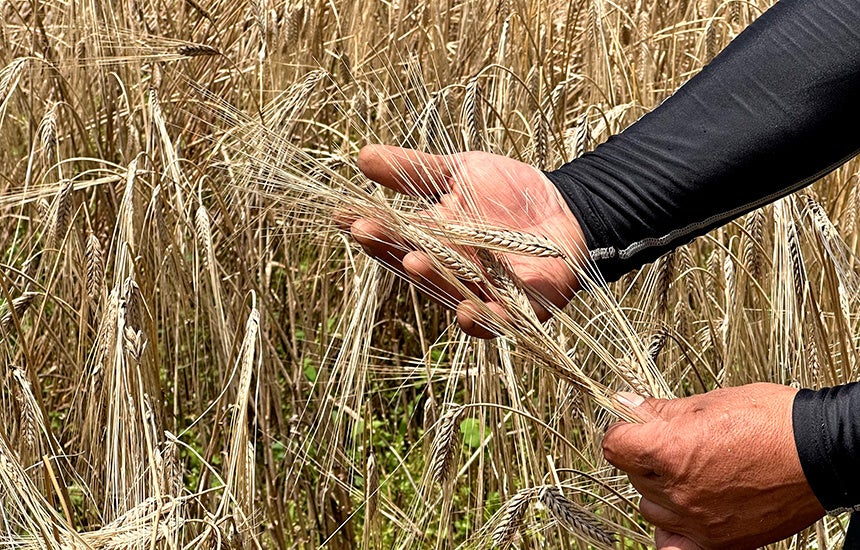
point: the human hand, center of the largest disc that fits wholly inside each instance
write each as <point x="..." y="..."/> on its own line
<point x="480" y="188"/>
<point x="718" y="470"/>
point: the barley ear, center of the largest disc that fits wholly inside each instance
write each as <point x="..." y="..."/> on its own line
<point x="446" y="446"/>
<point x="573" y="517"/>
<point x="511" y="521"/>
<point x="95" y="267"/>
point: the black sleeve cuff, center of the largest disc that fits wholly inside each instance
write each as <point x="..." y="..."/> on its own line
<point x="827" y="434"/>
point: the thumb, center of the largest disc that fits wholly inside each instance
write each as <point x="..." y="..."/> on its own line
<point x="645" y="409"/>
<point x="665" y="540"/>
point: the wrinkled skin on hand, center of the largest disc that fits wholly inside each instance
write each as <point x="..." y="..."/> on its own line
<point x="481" y="188"/>
<point x="718" y="470"/>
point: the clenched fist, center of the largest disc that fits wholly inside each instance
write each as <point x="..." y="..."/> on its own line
<point x="718" y="470"/>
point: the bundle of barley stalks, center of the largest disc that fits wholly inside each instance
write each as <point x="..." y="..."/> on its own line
<point x="196" y="355"/>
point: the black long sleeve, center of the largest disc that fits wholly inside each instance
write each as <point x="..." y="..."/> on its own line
<point x="776" y="110"/>
<point x="827" y="435"/>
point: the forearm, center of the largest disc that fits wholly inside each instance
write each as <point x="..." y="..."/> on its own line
<point x="776" y="110"/>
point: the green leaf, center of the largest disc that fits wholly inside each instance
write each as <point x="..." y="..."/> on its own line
<point x="470" y="429"/>
<point x="310" y="370"/>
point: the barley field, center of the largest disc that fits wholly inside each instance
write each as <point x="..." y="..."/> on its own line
<point x="195" y="355"/>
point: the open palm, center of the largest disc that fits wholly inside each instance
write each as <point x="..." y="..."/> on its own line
<point x="482" y="188"/>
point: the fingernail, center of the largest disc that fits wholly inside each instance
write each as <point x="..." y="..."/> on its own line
<point x="629" y="399"/>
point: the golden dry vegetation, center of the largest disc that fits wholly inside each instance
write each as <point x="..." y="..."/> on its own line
<point x="193" y="355"/>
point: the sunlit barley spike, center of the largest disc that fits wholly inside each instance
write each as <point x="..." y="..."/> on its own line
<point x="371" y="488"/>
<point x="81" y="50"/>
<point x="643" y="57"/>
<point x="446" y="446"/>
<point x="752" y="258"/>
<point x="29" y="429"/>
<point x="632" y="375"/>
<point x="260" y="12"/>
<point x="731" y="287"/>
<point x="197" y="50"/>
<point x="429" y="424"/>
<point x="9" y="77"/>
<point x="503" y="10"/>
<point x="48" y="134"/>
<point x="735" y="12"/>
<point x="131" y="302"/>
<point x="593" y="21"/>
<point x="505" y="286"/>
<point x="851" y="209"/>
<point x="204" y="234"/>
<point x="686" y="271"/>
<point x="714" y="264"/>
<point x="511" y="521"/>
<point x="582" y="137"/>
<point x="135" y="342"/>
<point x="812" y="361"/>
<point x="658" y="341"/>
<point x="541" y="140"/>
<point x="453" y="261"/>
<point x="798" y="271"/>
<point x="710" y="40"/>
<point x="665" y="276"/>
<point x="19" y="306"/>
<point x="573" y="517"/>
<point x="821" y="221"/>
<point x="295" y="16"/>
<point x="62" y="211"/>
<point x="556" y="97"/>
<point x="472" y="114"/>
<point x="507" y="241"/>
<point x="106" y="337"/>
<point x="43" y="207"/>
<point x="155" y="81"/>
<point x="95" y="267"/>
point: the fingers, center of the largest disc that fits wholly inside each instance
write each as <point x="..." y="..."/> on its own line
<point x="645" y="409"/>
<point x="378" y="242"/>
<point x="406" y="170"/>
<point x="660" y="516"/>
<point x="420" y="268"/>
<point x="666" y="540"/>
<point x="634" y="448"/>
